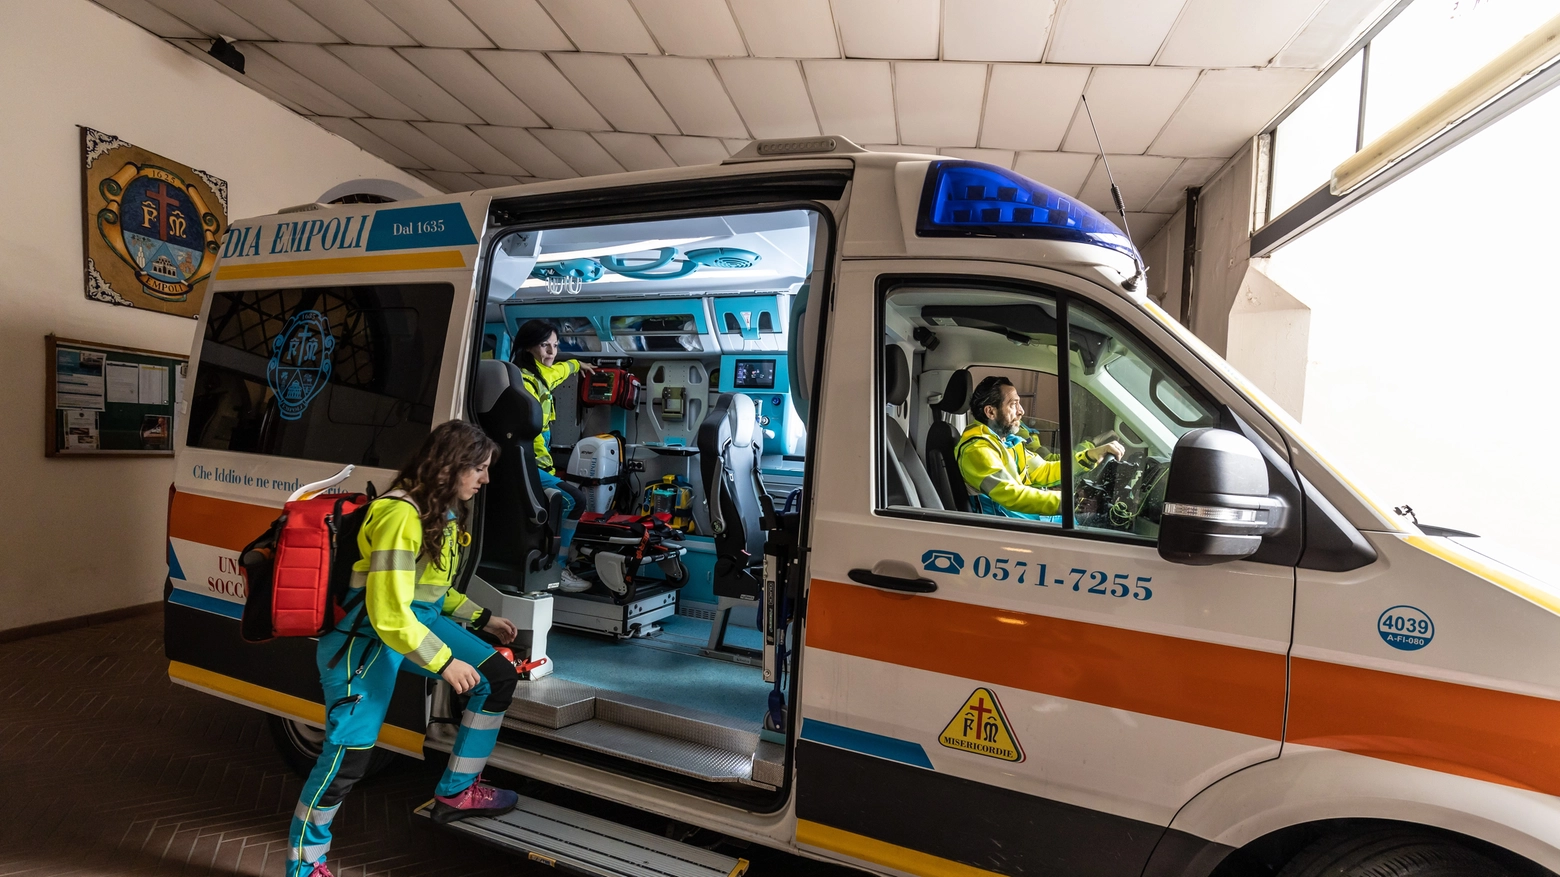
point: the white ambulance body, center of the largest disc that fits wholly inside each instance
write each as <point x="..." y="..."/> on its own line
<point x="1217" y="655"/>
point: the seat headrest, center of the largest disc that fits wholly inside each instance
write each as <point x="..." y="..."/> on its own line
<point x="494" y="376"/>
<point x="744" y="420"/>
<point x="956" y="398"/>
<point x="896" y="375"/>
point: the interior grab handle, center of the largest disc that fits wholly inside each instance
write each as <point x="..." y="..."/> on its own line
<point x="893" y="575"/>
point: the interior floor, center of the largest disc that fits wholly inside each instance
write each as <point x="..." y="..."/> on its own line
<point x="668" y="668"/>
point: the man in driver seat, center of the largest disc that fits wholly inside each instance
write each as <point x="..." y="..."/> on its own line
<point x="1006" y="478"/>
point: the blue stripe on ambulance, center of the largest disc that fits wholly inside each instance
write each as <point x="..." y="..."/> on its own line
<point x="876" y="745"/>
<point x="206" y="604"/>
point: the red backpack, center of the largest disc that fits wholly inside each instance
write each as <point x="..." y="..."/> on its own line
<point x="298" y="571"/>
<point x="610" y="386"/>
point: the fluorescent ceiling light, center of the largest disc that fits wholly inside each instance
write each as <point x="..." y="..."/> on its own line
<point x="617" y="250"/>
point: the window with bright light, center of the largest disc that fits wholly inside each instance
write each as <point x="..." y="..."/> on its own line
<point x="1318" y="135"/>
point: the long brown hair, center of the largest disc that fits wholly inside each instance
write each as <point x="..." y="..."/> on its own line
<point x="432" y="477"/>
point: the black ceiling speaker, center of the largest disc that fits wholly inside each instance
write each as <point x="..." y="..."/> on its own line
<point x="225" y="52"/>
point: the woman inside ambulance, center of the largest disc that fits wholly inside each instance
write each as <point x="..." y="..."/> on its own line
<point x="1004" y="475"/>
<point x="536" y="352"/>
<point x="403" y="614"/>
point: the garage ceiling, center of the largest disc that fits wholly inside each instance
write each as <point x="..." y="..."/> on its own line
<point x="480" y="93"/>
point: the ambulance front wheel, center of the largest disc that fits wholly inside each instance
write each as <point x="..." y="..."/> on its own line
<point x="300" y="745"/>
<point x="1390" y="852"/>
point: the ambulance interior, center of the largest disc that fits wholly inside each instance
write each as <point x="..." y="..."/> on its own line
<point x="661" y="660"/>
<point x="941" y="341"/>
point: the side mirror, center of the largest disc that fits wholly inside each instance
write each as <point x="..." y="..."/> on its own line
<point x="1217" y="507"/>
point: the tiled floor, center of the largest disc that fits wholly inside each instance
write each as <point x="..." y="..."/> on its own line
<point x="108" y="768"/>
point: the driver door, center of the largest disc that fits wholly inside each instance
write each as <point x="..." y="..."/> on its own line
<point x="1063" y="691"/>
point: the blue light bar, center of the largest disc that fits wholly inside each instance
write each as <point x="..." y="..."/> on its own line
<point x="974" y="199"/>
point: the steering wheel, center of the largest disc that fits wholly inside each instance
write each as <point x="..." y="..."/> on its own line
<point x="1104" y="497"/>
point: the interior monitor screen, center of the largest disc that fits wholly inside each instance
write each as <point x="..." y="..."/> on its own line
<point x="754" y="374"/>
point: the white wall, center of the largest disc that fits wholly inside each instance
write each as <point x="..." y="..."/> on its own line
<point x="85" y="535"/>
<point x="1434" y="307"/>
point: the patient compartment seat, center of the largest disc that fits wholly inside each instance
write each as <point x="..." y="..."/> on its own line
<point x="730" y="445"/>
<point x="521" y="520"/>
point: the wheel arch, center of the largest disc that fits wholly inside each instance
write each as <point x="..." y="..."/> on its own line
<point x="1269" y="811"/>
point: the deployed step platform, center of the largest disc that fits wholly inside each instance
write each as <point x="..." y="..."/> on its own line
<point x="572" y="841"/>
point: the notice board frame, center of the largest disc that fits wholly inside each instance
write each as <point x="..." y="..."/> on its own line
<point x="54" y="420"/>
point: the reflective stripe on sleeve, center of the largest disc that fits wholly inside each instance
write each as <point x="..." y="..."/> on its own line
<point x="391" y="560"/>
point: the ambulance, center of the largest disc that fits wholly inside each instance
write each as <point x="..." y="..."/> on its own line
<point x="1219" y="656"/>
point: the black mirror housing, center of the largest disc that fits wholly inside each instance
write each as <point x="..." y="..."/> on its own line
<point x="1217" y="506"/>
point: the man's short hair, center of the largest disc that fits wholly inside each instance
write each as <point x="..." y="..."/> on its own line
<point x="987" y="392"/>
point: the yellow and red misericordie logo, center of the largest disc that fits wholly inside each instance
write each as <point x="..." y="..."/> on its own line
<point x="980" y="727"/>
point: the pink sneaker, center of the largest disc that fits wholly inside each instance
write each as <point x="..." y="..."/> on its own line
<point x="320" y="870"/>
<point x="478" y="799"/>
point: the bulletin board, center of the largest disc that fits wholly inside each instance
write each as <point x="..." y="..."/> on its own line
<point x="105" y="400"/>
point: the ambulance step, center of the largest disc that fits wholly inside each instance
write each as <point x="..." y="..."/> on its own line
<point x="573" y="841"/>
<point x="698" y="760"/>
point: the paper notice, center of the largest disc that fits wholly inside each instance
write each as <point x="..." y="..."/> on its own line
<point x="81" y="430"/>
<point x="154" y="385"/>
<point x="124" y="383"/>
<point x="78" y="379"/>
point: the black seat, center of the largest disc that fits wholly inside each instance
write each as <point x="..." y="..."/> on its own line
<point x="521" y="520"/>
<point x="908" y="482"/>
<point x="730" y="444"/>
<point x="941" y="464"/>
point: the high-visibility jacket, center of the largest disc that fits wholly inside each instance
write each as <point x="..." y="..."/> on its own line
<point x="1006" y="472"/>
<point x="541" y="388"/>
<point x="398" y="583"/>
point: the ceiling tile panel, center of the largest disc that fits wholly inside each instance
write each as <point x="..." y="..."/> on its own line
<point x="889" y="28"/>
<point x="212" y="18"/>
<point x="282" y="20"/>
<point x="1226" y="108"/>
<point x="792" y="29"/>
<point x="602" y="26"/>
<point x="699" y="28"/>
<point x="408" y="139"/>
<point x="1335" y="26"/>
<point x="637" y="152"/>
<point x="356" y="22"/>
<point x="434" y="23"/>
<point x="996" y="30"/>
<point x="494" y="181"/>
<point x="468" y="146"/>
<point x="854" y="99"/>
<point x="1146" y="225"/>
<point x="516" y="24"/>
<point x="272" y="73"/>
<point x="1130" y="106"/>
<point x="613" y="87"/>
<point x="452" y="182"/>
<point x="535" y="80"/>
<point x="687" y="151"/>
<point x="334" y="74"/>
<point x="1111" y="31"/>
<point x="939" y="103"/>
<point x="1030" y="106"/>
<point x="368" y="140"/>
<point x="1233" y="33"/>
<point x="153" y="18"/>
<point x="197" y="49"/>
<point x="691" y="92"/>
<point x="1062" y="171"/>
<point x="735" y="146"/>
<point x="518" y="144"/>
<point x="579" y="150"/>
<point x="1192" y="172"/>
<point x="998" y="157"/>
<point x="901" y="150"/>
<point x="472" y="85"/>
<point x="405" y="82"/>
<point x="770" y="95"/>
<point x="1138" y="176"/>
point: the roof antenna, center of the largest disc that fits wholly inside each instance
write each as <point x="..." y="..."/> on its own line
<point x="1131" y="283"/>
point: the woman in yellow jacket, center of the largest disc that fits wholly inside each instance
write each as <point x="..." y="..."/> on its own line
<point x="536" y="352"/>
<point x="401" y="613"/>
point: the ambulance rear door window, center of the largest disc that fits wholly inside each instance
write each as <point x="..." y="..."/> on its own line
<point x="343" y="374"/>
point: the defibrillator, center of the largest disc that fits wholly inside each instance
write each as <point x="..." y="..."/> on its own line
<point x="670" y="496"/>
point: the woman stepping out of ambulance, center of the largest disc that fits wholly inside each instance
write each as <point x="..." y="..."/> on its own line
<point x="409" y="618"/>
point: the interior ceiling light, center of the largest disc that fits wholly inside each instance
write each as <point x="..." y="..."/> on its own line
<point x="1531" y="54"/>
<point x="617" y="250"/>
<point x="723" y="277"/>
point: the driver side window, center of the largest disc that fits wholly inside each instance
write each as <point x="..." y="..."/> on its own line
<point x="976" y="422"/>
